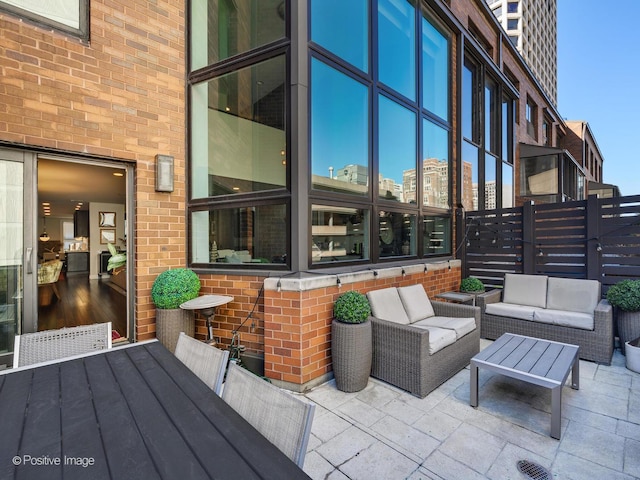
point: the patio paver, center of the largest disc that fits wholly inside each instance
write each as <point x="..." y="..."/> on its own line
<point x="385" y="433"/>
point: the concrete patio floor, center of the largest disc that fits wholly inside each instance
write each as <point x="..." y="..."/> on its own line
<point x="385" y="433"/>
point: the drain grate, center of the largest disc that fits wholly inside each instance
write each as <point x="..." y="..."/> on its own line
<point x="533" y="470"/>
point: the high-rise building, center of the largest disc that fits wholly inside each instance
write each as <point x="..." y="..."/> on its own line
<point x="532" y="27"/>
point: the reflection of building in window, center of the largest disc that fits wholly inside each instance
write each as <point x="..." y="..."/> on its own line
<point x="435" y="183"/>
<point x="357" y="174"/>
<point x="390" y="189"/>
<point x="490" y="195"/>
<point x="469" y="190"/>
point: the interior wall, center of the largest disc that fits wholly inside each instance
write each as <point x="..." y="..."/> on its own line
<point x="95" y="244"/>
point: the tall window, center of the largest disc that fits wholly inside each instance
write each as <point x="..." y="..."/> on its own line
<point x="531" y="115"/>
<point x="487" y="149"/>
<point x="239" y="200"/>
<point x="365" y="123"/>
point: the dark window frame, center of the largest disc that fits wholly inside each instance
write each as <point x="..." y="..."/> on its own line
<point x="82" y="32"/>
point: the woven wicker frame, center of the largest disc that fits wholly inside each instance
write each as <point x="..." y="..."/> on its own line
<point x="401" y="352"/>
<point x="169" y="324"/>
<point x="38" y="347"/>
<point x="628" y="327"/>
<point x="351" y="352"/>
<point x="595" y="345"/>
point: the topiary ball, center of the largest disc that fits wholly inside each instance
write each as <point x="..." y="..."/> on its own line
<point x="352" y="307"/>
<point x="174" y="287"/>
<point x="471" y="284"/>
<point x="625" y="295"/>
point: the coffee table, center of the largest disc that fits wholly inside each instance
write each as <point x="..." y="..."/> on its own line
<point x="540" y="362"/>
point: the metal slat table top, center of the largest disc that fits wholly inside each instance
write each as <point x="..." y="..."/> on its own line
<point x="129" y="412"/>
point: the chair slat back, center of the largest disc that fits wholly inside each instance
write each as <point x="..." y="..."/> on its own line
<point x="207" y="362"/>
<point x="31" y="348"/>
<point x="281" y="417"/>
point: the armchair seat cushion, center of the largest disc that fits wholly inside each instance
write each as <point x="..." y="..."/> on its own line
<point x="523" y="312"/>
<point x="386" y="305"/>
<point x="438" y="337"/>
<point x="573" y="295"/>
<point x="461" y="326"/>
<point x="564" y="318"/>
<point x="416" y="302"/>
<point x="523" y="289"/>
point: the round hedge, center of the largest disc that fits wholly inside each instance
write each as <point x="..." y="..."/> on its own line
<point x="174" y="287"/>
<point x="625" y="295"/>
<point x="471" y="284"/>
<point x="352" y="307"/>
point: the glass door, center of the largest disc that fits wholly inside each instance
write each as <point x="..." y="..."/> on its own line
<point x="17" y="279"/>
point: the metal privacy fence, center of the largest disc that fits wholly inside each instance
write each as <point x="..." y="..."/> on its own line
<point x="597" y="238"/>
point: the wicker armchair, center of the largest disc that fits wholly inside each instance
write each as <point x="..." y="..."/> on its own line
<point x="401" y="352"/>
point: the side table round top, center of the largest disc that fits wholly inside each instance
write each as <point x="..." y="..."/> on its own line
<point x="206" y="301"/>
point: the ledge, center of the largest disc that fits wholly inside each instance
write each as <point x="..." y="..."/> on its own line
<point x="330" y="280"/>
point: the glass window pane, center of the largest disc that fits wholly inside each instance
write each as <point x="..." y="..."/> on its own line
<point x="469" y="103"/>
<point x="490" y="192"/>
<point x="491" y="132"/>
<point x="246" y="235"/>
<point x="469" y="176"/>
<point x="339" y="131"/>
<point x="342" y="28"/>
<point x="397" y="152"/>
<point x="435" y="166"/>
<point x="397" y="46"/>
<point x="435" y="70"/>
<point x="539" y="175"/>
<point x="507" y="185"/>
<point x="238" y="138"/>
<point x="223" y="28"/>
<point x="507" y="129"/>
<point x="339" y="234"/>
<point x="397" y="234"/>
<point x="437" y="235"/>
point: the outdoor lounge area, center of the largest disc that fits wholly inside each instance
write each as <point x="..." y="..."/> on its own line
<point x="383" y="432"/>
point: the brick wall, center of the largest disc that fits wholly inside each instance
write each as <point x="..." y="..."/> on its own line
<point x="121" y="97"/>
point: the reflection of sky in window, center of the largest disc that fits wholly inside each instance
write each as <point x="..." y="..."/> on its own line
<point x="339" y="120"/>
<point x="396" y="46"/>
<point x="435" y="142"/>
<point x="342" y="27"/>
<point x="435" y="60"/>
<point x="397" y="147"/>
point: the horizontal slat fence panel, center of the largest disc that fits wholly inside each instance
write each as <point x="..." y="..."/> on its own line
<point x="598" y="238"/>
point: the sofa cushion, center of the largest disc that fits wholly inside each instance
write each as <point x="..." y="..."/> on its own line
<point x="573" y="294"/>
<point x="501" y="309"/>
<point x="461" y="326"/>
<point x="386" y="305"/>
<point x="416" y="302"/>
<point x="438" y="337"/>
<point x="523" y="289"/>
<point x="565" y="318"/>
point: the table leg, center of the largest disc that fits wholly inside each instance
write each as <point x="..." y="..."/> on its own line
<point x="556" y="411"/>
<point x="575" y="374"/>
<point x="473" y="386"/>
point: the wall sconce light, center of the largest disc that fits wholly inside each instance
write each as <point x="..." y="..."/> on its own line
<point x="164" y="173"/>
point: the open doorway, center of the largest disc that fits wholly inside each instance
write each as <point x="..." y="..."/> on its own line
<point x="82" y="209"/>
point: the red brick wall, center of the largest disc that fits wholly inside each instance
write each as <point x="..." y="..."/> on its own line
<point x="120" y="97"/>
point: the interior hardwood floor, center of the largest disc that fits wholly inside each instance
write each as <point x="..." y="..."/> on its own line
<point x="83" y="302"/>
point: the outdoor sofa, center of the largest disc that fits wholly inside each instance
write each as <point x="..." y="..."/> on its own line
<point x="559" y="309"/>
<point x="419" y="344"/>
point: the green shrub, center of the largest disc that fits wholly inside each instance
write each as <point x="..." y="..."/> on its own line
<point x="352" y="307"/>
<point x="471" y="284"/>
<point x="625" y="295"/>
<point x="173" y="287"/>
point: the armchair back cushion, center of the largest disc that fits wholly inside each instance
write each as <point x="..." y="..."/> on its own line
<point x="386" y="305"/>
<point x="416" y="302"/>
<point x="522" y="289"/>
<point x="573" y="295"/>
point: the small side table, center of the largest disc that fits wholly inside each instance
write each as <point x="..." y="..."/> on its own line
<point x="207" y="304"/>
<point x="458" y="297"/>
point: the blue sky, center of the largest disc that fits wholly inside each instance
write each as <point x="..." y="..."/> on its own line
<point x="598" y="78"/>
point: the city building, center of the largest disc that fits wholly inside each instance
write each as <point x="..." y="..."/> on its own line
<point x="532" y="27"/>
<point x="248" y="136"/>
